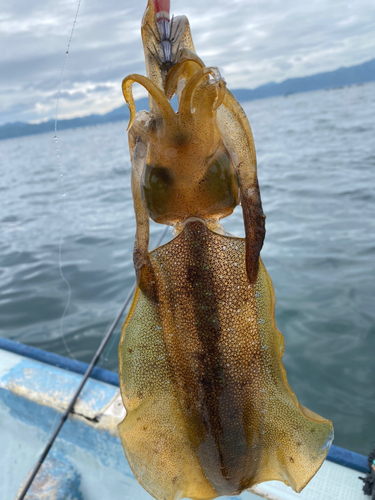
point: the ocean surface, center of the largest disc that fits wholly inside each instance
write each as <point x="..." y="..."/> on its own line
<point x="316" y="160"/>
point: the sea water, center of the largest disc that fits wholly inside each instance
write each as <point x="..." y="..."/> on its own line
<point x="316" y="168"/>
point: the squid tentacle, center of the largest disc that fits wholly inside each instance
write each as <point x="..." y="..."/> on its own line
<point x="192" y="85"/>
<point x="159" y="97"/>
<point x="176" y="73"/>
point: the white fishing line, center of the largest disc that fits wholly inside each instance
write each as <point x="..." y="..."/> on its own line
<point x="63" y="186"/>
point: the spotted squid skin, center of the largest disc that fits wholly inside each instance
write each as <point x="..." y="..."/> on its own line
<point x="209" y="409"/>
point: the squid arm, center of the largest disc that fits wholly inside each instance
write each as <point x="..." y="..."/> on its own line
<point x="142" y="265"/>
<point x="238" y="139"/>
<point x="138" y="145"/>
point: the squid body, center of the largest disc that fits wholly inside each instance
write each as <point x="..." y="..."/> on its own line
<point x="209" y="408"/>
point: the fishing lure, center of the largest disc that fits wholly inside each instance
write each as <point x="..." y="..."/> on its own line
<point x="209" y="408"/>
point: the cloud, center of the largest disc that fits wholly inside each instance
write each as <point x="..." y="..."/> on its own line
<point x="252" y="42"/>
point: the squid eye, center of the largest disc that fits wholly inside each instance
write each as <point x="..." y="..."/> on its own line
<point x="157" y="185"/>
<point x="159" y="177"/>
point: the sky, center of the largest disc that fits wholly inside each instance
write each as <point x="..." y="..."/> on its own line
<point x="253" y="42"/>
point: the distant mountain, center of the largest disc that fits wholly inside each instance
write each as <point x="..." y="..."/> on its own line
<point x="361" y="73"/>
<point x="18" y="129"/>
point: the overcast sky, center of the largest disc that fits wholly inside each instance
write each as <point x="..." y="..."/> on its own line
<point x="252" y="41"/>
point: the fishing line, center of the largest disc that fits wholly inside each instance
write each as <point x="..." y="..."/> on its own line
<point x="80" y="387"/>
<point x="62" y="335"/>
<point x="63" y="184"/>
<point x="63" y="195"/>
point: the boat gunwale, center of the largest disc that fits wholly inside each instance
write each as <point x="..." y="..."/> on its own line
<point x="59" y="361"/>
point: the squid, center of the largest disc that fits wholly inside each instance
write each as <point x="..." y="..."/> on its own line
<point x="209" y="408"/>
